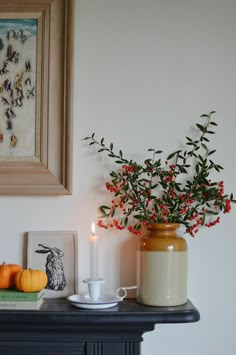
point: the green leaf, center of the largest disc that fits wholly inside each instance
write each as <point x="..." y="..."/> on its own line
<point x="156" y="208"/>
<point x="211" y="152"/>
<point x="103" y="209"/>
<point x="183" y="170"/>
<point x="177" y="187"/>
<point x="111" y="146"/>
<point x="189" y="139"/>
<point x="203" y="219"/>
<point x="93" y="135"/>
<point x="202" y="128"/>
<point x="171" y="156"/>
<point x="113" y="174"/>
<point x="205" y="139"/>
<point x="137" y="227"/>
<point x="138" y="217"/>
<point x="212" y="212"/>
<point x="204" y="146"/>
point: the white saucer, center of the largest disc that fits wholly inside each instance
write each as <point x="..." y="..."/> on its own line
<point x="84" y="301"/>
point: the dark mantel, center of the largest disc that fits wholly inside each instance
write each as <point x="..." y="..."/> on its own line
<point x="60" y="328"/>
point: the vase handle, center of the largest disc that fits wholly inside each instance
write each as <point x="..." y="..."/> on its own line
<point x="121" y="292"/>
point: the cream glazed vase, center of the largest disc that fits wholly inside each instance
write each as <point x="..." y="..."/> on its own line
<point x="162" y="263"/>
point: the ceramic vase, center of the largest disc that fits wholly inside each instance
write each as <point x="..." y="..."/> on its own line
<point x="162" y="264"/>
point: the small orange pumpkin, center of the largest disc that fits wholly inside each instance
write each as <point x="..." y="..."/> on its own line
<point x="14" y="269"/>
<point x="29" y="280"/>
<point x="7" y="274"/>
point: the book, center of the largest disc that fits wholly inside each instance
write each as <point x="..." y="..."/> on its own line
<point x="22" y="305"/>
<point x="15" y="295"/>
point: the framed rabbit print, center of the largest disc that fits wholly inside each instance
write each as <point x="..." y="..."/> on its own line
<point x="56" y="253"/>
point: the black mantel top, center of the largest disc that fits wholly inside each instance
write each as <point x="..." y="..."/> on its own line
<point x="60" y="328"/>
<point x="60" y="310"/>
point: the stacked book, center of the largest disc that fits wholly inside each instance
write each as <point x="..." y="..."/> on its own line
<point x="13" y="299"/>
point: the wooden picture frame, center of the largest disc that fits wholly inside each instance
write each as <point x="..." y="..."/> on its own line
<point x="49" y="170"/>
<point x="56" y="253"/>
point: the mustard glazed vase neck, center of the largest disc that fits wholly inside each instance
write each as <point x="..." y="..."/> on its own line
<point x="163" y="229"/>
<point x="163" y="237"/>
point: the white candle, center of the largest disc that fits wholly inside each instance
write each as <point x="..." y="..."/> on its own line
<point x="93" y="241"/>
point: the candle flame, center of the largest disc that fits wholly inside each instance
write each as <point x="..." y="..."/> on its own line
<point x="93" y="228"/>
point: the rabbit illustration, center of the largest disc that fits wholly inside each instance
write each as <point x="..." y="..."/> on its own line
<point x="54" y="267"/>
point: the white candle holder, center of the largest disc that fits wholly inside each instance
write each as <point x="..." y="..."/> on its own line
<point x="94" y="287"/>
<point x="94" y="299"/>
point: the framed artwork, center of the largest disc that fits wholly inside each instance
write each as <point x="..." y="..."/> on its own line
<point x="36" y="80"/>
<point x="56" y="253"/>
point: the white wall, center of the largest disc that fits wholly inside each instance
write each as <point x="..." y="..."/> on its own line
<point x="145" y="71"/>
